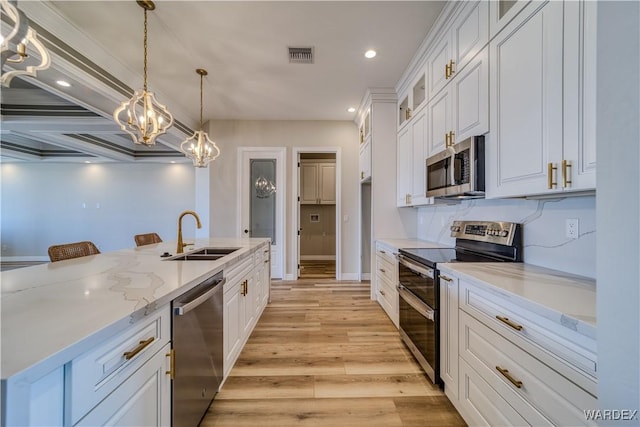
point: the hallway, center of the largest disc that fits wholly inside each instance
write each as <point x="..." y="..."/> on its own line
<point x="324" y="354"/>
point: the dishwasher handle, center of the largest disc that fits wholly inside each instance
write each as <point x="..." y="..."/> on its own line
<point x="186" y="307"/>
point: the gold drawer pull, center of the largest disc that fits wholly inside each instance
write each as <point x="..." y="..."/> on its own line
<point x="383" y="270"/>
<point x="141" y="346"/>
<point x="565" y="175"/>
<point x="445" y="278"/>
<point x="507" y="375"/>
<point x="266" y="261"/>
<point x="509" y="322"/>
<point x="382" y="292"/>
<point x="172" y="363"/>
<point x="382" y="252"/>
<point x="550" y="168"/>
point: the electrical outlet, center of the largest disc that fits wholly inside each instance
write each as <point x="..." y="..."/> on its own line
<point x="571" y="228"/>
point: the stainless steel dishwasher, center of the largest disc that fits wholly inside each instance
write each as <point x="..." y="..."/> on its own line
<point x="197" y="345"/>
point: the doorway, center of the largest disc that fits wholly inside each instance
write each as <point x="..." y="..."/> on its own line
<point x="263" y="193"/>
<point x="317" y="208"/>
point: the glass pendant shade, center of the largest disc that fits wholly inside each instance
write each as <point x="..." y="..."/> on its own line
<point x="142" y="116"/>
<point x="15" y="37"/>
<point x="199" y="147"/>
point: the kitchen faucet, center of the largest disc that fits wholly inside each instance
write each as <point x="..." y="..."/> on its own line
<point x="181" y="245"/>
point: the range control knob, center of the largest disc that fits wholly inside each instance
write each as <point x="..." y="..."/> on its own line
<point x="504" y="233"/>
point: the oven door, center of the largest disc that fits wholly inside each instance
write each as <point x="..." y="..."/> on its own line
<point x="419" y="279"/>
<point x="420" y="331"/>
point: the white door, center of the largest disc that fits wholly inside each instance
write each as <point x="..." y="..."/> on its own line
<point x="263" y="192"/>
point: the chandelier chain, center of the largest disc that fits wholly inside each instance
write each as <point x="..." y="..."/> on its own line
<point x="145" y="50"/>
<point x="201" y="77"/>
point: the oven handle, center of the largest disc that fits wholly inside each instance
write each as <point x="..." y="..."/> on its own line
<point x="421" y="269"/>
<point x="415" y="302"/>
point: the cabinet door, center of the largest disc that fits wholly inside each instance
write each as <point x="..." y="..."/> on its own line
<point x="579" y="148"/>
<point x="439" y="111"/>
<point x="437" y="60"/>
<point x="470" y="33"/>
<point x="365" y="160"/>
<point x="501" y="12"/>
<point x="233" y="319"/>
<point x="404" y="167"/>
<point x="309" y="183"/>
<point x="142" y="400"/>
<point x="248" y="301"/>
<point x="449" y="334"/>
<point x="526" y="104"/>
<point x="327" y="180"/>
<point x="418" y="187"/>
<point x="470" y="90"/>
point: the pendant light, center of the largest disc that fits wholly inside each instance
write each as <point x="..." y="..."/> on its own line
<point x="199" y="148"/>
<point x="142" y="116"/>
<point x="15" y="37"/>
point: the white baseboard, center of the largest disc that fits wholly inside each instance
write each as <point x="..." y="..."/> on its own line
<point x="289" y="277"/>
<point x="317" y="257"/>
<point x="349" y="276"/>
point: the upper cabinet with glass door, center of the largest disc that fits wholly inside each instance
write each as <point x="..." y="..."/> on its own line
<point x="501" y="12"/>
<point x="412" y="101"/>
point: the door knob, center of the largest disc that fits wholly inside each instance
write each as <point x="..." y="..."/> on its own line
<point x="246" y="231"/>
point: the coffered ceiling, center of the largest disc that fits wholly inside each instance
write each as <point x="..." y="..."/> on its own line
<point x="97" y="47"/>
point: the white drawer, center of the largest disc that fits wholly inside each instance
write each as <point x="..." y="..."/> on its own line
<point x="97" y="373"/>
<point x="386" y="269"/>
<point x="567" y="351"/>
<point x="481" y="405"/>
<point x="238" y="271"/>
<point x="387" y="290"/>
<point x="387" y="253"/>
<point x="521" y="379"/>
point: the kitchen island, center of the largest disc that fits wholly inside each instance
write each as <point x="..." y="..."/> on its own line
<point x="53" y="313"/>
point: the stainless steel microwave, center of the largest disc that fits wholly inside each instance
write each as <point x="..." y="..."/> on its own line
<point x="458" y="172"/>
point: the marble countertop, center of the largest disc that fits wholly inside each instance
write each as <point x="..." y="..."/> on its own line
<point x="48" y="310"/>
<point x="566" y="299"/>
<point x="411" y="243"/>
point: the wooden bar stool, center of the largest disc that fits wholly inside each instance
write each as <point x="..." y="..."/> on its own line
<point x="72" y="250"/>
<point x="146" y="239"/>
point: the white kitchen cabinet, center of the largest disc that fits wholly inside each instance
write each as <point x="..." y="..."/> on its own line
<point x="144" y="399"/>
<point x="365" y="160"/>
<point x="461" y="109"/>
<point x="449" y="335"/>
<point x="386" y="281"/>
<point x="404" y="167"/>
<point x="317" y="182"/>
<point x="458" y="44"/>
<point x="542" y="138"/>
<point x="501" y="12"/>
<point x="514" y="366"/>
<point x="411" y="169"/>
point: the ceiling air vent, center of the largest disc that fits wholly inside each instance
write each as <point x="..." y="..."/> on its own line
<point x="301" y="55"/>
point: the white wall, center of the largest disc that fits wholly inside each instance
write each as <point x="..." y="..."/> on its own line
<point x="617" y="207"/>
<point x="543" y="222"/>
<point x="52" y="203"/>
<point x="231" y="134"/>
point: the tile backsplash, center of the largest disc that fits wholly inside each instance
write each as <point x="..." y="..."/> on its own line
<point x="544" y="223"/>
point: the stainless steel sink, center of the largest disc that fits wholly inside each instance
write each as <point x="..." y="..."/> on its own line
<point x="206" y="254"/>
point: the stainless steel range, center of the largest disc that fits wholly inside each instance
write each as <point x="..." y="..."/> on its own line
<point x="476" y="241"/>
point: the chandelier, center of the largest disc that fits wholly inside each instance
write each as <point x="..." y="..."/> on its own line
<point x="16" y="36"/>
<point x="145" y="117"/>
<point x="199" y="148"/>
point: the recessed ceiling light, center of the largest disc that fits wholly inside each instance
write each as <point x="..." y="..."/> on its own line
<point x="173" y="161"/>
<point x="87" y="161"/>
<point x="63" y="83"/>
<point x="351" y="110"/>
<point x="370" y="54"/>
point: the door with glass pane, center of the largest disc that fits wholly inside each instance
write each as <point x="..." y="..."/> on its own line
<point x="263" y="194"/>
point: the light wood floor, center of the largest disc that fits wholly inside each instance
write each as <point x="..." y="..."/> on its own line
<point x="311" y="269"/>
<point x="324" y="354"/>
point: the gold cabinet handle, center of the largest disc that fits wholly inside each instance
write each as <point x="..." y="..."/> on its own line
<point x="451" y="70"/>
<point x="128" y="355"/>
<point x="382" y="252"/>
<point x="565" y="174"/>
<point x="550" y="169"/>
<point x="361" y="175"/>
<point x="507" y="375"/>
<point x="445" y="278"/>
<point x="382" y="292"/>
<point x="407" y="113"/>
<point x="509" y="322"/>
<point x="383" y="270"/>
<point x="172" y="364"/>
<point x="451" y="135"/>
<point x="446" y="140"/>
<point x="447" y="71"/>
<point x="266" y="261"/>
